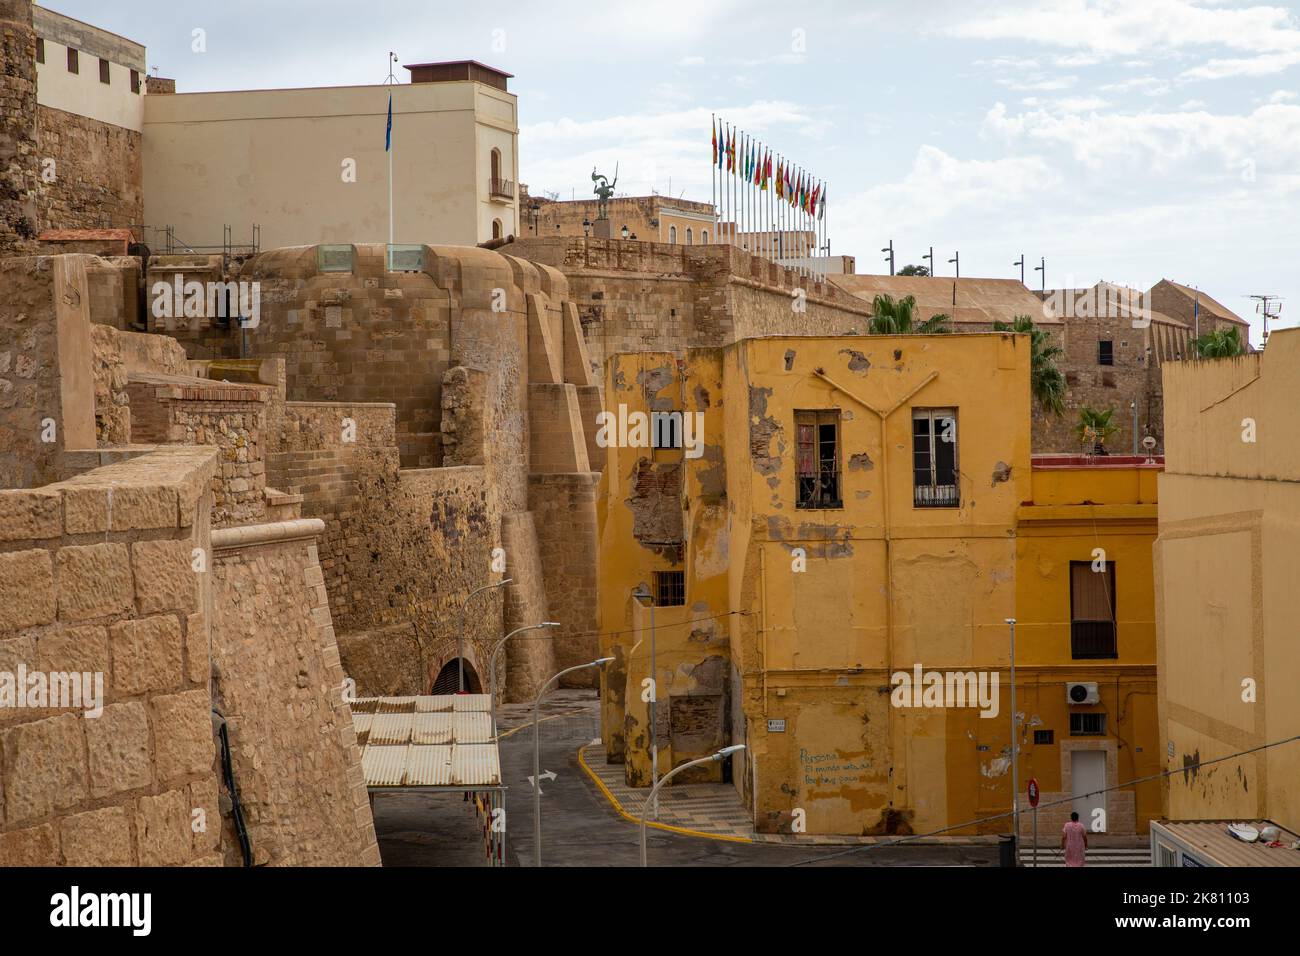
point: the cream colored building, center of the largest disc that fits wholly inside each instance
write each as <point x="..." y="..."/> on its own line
<point x="1227" y="655"/>
<point x="87" y="71"/>
<point x="310" y="166"/>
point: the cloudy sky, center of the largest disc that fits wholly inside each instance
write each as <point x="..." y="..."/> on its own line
<point x="1125" y="140"/>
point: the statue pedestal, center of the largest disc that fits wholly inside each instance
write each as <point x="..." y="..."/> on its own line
<point x="601" y="229"/>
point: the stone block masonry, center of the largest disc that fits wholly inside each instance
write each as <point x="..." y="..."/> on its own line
<point x="174" y="410"/>
<point x="18" y="149"/>
<point x="98" y="173"/>
<point x="96" y="576"/>
<point x="280" y="686"/>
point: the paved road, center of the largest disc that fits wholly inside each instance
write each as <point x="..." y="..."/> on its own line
<point x="579" y="828"/>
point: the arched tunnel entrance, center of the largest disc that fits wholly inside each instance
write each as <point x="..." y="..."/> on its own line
<point x="448" y="681"/>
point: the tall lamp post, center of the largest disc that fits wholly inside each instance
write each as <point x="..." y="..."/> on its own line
<point x="492" y="665"/>
<point x="460" y="638"/>
<point x="537" y="753"/>
<point x="646" y="599"/>
<point x="1015" y="746"/>
<point x="711" y="758"/>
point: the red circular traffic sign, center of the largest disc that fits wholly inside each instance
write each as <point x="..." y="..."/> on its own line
<point x="1033" y="792"/>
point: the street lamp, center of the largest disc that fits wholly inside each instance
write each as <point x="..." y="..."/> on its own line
<point x="492" y="665"/>
<point x="623" y="232"/>
<point x="460" y="638"/>
<point x="1015" y="747"/>
<point x="646" y="599"/>
<point x="537" y="753"/>
<point x="711" y="758"/>
<point x="586" y="227"/>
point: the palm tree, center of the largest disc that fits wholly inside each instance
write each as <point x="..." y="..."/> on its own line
<point x="1094" y="427"/>
<point x="1046" y="382"/>
<point x="896" y="317"/>
<point x="1219" y="343"/>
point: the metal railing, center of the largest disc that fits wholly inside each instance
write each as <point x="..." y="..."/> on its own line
<point x="1092" y="640"/>
<point x="936" y="496"/>
<point x="501" y="187"/>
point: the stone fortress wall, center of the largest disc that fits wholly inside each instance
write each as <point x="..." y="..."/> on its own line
<point x="118" y="563"/>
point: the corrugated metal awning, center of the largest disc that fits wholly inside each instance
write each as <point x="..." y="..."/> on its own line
<point x="427" y="742"/>
<point x="1211" y="840"/>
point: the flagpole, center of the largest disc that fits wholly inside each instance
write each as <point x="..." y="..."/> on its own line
<point x="713" y="169"/>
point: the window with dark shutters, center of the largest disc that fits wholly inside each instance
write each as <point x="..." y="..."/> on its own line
<point x="934" y="458"/>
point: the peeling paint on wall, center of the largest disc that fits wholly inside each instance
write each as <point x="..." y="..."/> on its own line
<point x="762" y="429"/>
<point x="858" y="362"/>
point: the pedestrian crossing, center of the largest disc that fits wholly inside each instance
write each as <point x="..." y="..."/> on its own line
<point x="1097" y="856"/>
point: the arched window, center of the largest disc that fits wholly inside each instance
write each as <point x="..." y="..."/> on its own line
<point x="672" y="235"/>
<point x="689" y="240"/>
<point x="496" y="165"/>
<point x="496" y="228"/>
<point x="704" y="237"/>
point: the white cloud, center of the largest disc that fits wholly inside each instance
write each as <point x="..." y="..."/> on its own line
<point x="1268" y="137"/>
<point x="1125" y="28"/>
<point x="941" y="188"/>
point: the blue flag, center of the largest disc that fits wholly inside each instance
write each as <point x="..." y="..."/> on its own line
<point x="388" y="136"/>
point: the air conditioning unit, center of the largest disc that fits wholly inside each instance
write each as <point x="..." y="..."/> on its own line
<point x="1080" y="693"/>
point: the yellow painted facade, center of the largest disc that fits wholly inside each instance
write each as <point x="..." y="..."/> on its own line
<point x="1226" y="578"/>
<point x="794" y="621"/>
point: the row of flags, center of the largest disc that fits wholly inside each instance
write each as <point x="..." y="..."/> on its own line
<point x="754" y="166"/>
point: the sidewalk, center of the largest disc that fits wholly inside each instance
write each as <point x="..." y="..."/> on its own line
<point x="700" y="809"/>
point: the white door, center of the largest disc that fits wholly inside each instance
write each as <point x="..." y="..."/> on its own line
<point x="1088" y="773"/>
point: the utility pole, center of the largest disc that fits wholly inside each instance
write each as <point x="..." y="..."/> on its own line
<point x="1021" y="262"/>
<point x="1042" y="267"/>
<point x="930" y="257"/>
<point x="1015" y="747"/>
<point x="890" y="249"/>
<point x="956" y="259"/>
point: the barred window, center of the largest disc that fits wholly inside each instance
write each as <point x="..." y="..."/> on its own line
<point x="670" y="588"/>
<point x="817" y="463"/>
<point x="1092" y="611"/>
<point x="934" y="458"/>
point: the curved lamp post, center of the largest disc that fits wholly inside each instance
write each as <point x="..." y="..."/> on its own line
<point x="492" y="665"/>
<point x="460" y="638"/>
<point x="711" y="758"/>
<point x="643" y="597"/>
<point x="537" y="753"/>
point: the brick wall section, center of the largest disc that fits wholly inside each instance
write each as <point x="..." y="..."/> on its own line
<point x="649" y="296"/>
<point x="1130" y="378"/>
<point x="18" y="150"/>
<point x="280" y="686"/>
<point x="401" y="548"/>
<point x="98" y="173"/>
<point x="96" y="576"/>
<point x="564" y="512"/>
<point x="364" y="336"/>
<point x="190" y="411"/>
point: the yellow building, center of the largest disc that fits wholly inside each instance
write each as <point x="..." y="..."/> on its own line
<point x="1226" y="560"/>
<point x="844" y="518"/>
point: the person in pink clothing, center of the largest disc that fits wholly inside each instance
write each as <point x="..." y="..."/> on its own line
<point x="1074" y="841"/>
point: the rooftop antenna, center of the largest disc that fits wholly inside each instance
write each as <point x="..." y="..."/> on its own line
<point x="1021" y="262"/>
<point x="1270" y="306"/>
